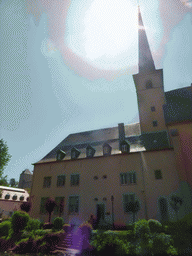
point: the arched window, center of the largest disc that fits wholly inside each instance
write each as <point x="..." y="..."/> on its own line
<point x="163" y="209"/>
<point x="7" y="196"/>
<point x="15" y="197"/>
<point x="21" y="198"/>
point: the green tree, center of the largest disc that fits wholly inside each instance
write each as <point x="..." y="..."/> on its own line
<point x="13" y="183"/>
<point x="49" y="206"/>
<point x="133" y="207"/>
<point x="4" y="159"/>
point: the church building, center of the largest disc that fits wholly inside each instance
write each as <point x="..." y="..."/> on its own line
<point x="100" y="172"/>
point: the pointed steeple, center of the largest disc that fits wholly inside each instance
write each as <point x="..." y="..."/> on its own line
<point x="146" y="62"/>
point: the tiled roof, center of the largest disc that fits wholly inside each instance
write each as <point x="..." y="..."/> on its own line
<point x="96" y="139"/>
<point x="178" y="107"/>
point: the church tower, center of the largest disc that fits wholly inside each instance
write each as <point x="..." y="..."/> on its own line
<point x="149" y="87"/>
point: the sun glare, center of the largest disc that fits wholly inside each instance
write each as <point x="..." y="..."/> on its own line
<point x="105" y="33"/>
<point x="110" y="28"/>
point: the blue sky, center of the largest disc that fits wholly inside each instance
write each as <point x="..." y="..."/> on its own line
<point x="66" y="67"/>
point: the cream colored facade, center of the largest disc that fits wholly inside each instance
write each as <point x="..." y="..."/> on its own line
<point x="157" y="164"/>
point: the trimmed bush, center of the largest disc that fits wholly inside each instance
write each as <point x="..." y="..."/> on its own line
<point x="48" y="226"/>
<point x="51" y="240"/>
<point x="58" y="223"/>
<point x="19" y="221"/>
<point x="108" y="244"/>
<point x="6" y="244"/>
<point x="141" y="229"/>
<point x="163" y="245"/>
<point x="5" y="227"/>
<point x="40" y="232"/>
<point x="33" y="224"/>
<point x="25" y="206"/>
<point x="155" y="226"/>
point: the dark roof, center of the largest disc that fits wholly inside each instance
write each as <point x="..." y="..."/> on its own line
<point x="26" y="171"/>
<point x="96" y="139"/>
<point x="178" y="107"/>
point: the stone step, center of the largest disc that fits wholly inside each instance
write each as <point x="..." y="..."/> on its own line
<point x="70" y="241"/>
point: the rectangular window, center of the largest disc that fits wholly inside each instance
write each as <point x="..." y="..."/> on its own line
<point x="158" y="175"/>
<point x="59" y="208"/>
<point x="73" y="204"/>
<point x="60" y="180"/>
<point x="47" y="182"/>
<point x="154" y="123"/>
<point x="74" y="179"/>
<point x="153" y="108"/>
<point x="128" y="178"/>
<point x="127" y="198"/>
<point x="42" y="205"/>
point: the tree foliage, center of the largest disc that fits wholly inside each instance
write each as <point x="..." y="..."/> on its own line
<point x="49" y="206"/>
<point x="13" y="183"/>
<point x="4" y="156"/>
<point x="4" y="159"/>
<point x="25" y="206"/>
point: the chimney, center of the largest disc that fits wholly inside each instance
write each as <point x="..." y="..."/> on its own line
<point x="121" y="134"/>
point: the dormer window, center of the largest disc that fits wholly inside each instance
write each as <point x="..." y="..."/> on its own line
<point x="60" y="155"/>
<point x="149" y="84"/>
<point x="90" y="151"/>
<point x="75" y="153"/>
<point x="125" y="147"/>
<point x="106" y="149"/>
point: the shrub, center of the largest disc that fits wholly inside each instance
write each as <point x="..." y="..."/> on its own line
<point x="141" y="229"/>
<point x="21" y="246"/>
<point x="25" y="206"/>
<point x="51" y="240"/>
<point x="130" y="227"/>
<point x="155" y="226"/>
<point x="19" y="221"/>
<point x="33" y="224"/>
<point x="6" y="244"/>
<point x="108" y="244"/>
<point x="5" y="228"/>
<point x="58" y="223"/>
<point x="40" y="232"/>
<point x="47" y="225"/>
<point x="163" y="244"/>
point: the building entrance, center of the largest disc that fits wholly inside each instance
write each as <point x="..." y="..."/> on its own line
<point x="100" y="212"/>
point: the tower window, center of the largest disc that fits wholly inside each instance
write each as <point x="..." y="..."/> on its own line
<point x="153" y="108"/>
<point x="149" y="84"/>
<point x="158" y="174"/>
<point x="154" y="123"/>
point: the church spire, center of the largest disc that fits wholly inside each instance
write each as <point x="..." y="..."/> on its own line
<point x="146" y="62"/>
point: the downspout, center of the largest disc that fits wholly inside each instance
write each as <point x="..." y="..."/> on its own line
<point x="144" y="187"/>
